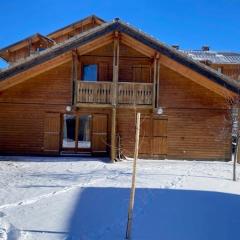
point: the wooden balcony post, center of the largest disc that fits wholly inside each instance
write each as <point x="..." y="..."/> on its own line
<point x="29" y="46"/>
<point x="115" y="67"/>
<point x="158" y="83"/>
<point x="113" y="135"/>
<point x="156" y="71"/>
<point x="114" y="96"/>
<point x="74" y="76"/>
<point x="154" y="82"/>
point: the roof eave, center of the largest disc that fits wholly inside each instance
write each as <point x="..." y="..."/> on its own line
<point x="77" y="22"/>
<point x="25" y="39"/>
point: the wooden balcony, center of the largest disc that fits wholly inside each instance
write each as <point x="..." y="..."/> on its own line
<point x="94" y="92"/>
<point x="233" y="72"/>
<point x="102" y="93"/>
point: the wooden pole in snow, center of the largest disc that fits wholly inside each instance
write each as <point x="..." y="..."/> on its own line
<point x="235" y="140"/>
<point x="131" y="202"/>
<point x="235" y="161"/>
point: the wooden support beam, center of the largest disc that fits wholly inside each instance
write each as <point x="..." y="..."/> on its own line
<point x="156" y="76"/>
<point x="115" y="67"/>
<point x="154" y="82"/>
<point x="158" y="83"/>
<point x="114" y="97"/>
<point x="29" y="46"/>
<point x="103" y="105"/>
<point x="74" y="76"/>
<point x="113" y="135"/>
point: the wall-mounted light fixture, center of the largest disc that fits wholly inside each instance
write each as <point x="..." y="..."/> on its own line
<point x="159" y="110"/>
<point x="68" y="108"/>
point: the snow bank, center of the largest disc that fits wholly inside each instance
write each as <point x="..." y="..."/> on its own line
<point x="87" y="199"/>
<point x="7" y="230"/>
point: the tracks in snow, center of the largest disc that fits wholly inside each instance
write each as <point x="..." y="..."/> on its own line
<point x="93" y="179"/>
<point x="89" y="182"/>
<point x="180" y="179"/>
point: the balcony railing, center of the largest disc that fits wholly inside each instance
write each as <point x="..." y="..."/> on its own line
<point x="92" y="92"/>
<point x="232" y="72"/>
<point x="127" y="93"/>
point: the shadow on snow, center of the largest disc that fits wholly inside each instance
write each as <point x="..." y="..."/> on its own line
<point x="101" y="213"/>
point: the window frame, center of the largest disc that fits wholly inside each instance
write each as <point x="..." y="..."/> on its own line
<point x="76" y="148"/>
<point x="97" y="72"/>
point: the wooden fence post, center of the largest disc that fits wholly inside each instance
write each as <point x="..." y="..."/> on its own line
<point x="132" y="195"/>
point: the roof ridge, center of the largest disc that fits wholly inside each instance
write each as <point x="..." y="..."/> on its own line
<point x="76" y="22"/>
<point x="24" y="39"/>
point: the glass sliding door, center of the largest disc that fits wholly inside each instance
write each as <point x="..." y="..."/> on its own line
<point x="84" y="132"/>
<point x="69" y="128"/>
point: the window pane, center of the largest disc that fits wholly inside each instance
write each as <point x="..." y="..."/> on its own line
<point x="69" y="131"/>
<point x="84" y="131"/>
<point x="90" y="72"/>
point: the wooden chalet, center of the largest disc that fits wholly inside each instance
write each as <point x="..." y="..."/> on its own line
<point x="78" y="89"/>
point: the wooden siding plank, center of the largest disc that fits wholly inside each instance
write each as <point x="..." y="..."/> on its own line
<point x="196" y="77"/>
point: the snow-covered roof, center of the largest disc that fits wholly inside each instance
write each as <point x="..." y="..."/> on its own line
<point x="214" y="57"/>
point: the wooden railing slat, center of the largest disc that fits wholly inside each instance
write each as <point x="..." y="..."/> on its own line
<point x="102" y="93"/>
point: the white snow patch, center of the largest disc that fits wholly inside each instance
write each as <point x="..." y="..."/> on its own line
<point x="7" y="230"/>
<point x="87" y="198"/>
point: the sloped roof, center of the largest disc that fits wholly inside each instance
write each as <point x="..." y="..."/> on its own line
<point x="3" y="51"/>
<point x="96" y="18"/>
<point x="214" y="56"/>
<point x="36" y="36"/>
<point x="131" y="31"/>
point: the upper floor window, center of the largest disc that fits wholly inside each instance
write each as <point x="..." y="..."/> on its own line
<point x="141" y="73"/>
<point x="90" y="72"/>
<point x="40" y="49"/>
<point x="219" y="69"/>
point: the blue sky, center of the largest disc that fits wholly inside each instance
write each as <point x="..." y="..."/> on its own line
<point x="188" y="23"/>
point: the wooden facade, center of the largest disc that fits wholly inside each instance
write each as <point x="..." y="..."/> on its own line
<point x="25" y="48"/>
<point x="231" y="70"/>
<point x="47" y="103"/>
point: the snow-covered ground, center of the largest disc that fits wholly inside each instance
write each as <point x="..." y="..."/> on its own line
<point x="87" y="199"/>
